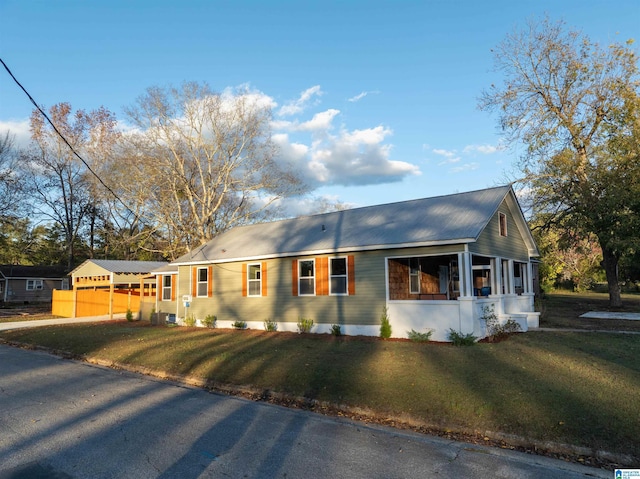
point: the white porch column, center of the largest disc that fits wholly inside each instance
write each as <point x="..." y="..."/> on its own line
<point x="529" y="269"/>
<point x="504" y="277"/>
<point x="511" y="289"/>
<point x="496" y="276"/>
<point x="466" y="274"/>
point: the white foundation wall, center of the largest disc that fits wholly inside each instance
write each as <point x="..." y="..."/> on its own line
<point x="345" y="329"/>
<point x="464" y="315"/>
<point x="422" y="316"/>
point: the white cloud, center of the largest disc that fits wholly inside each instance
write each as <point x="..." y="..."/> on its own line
<point x="465" y="167"/>
<point x="19" y="130"/>
<point x="450" y="156"/>
<point x="298" y="106"/>
<point x="357" y="157"/>
<point x="358" y="97"/>
<point x="320" y="121"/>
<point x="309" y="205"/>
<point x="450" y="161"/>
<point x="294" y="153"/>
<point x="445" y="153"/>
<point x="361" y="95"/>
<point x="484" y="149"/>
<point x="232" y="97"/>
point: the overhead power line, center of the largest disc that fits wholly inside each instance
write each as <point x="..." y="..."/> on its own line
<point x="63" y="138"/>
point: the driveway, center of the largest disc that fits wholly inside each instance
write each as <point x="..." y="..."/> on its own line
<point x="66" y="419"/>
<point x="48" y="322"/>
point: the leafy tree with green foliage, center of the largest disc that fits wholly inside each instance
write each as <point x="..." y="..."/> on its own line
<point x="566" y="258"/>
<point x="575" y="107"/>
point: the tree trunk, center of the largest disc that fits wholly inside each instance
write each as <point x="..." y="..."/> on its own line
<point x="610" y="263"/>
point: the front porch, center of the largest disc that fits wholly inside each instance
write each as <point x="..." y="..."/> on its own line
<point x="443" y="292"/>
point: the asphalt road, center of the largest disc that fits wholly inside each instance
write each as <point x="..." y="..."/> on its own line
<point x="63" y="419"/>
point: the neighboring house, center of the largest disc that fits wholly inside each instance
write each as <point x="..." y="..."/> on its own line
<point x="434" y="263"/>
<point x="20" y="283"/>
<point x="166" y="293"/>
<point x="103" y="287"/>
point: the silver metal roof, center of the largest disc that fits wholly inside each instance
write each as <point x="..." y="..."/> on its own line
<point x="446" y="219"/>
<point x="125" y="267"/>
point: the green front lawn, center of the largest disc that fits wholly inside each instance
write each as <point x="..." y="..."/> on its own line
<point x="581" y="389"/>
<point x="562" y="310"/>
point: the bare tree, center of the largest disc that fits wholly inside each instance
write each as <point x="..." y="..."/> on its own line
<point x="570" y="101"/>
<point x="60" y="183"/>
<point x="207" y="160"/>
<point x="11" y="188"/>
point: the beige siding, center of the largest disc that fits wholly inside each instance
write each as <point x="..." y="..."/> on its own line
<point x="128" y="278"/>
<point x="490" y="242"/>
<point x="17" y="290"/>
<point x="90" y="269"/>
<point x="228" y="304"/>
<point x="280" y="305"/>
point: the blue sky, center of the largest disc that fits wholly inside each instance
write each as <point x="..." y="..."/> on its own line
<point x="376" y="101"/>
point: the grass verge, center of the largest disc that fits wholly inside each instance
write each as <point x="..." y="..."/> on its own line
<point x="25" y="312"/>
<point x="580" y="389"/>
<point x="563" y="310"/>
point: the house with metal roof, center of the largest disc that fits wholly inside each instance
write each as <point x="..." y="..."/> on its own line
<point x="103" y="287"/>
<point x="434" y="264"/>
<point x="94" y="273"/>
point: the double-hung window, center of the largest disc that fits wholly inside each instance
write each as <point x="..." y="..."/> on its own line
<point x="202" y="282"/>
<point x="34" y="284"/>
<point x="414" y="276"/>
<point x="254" y="279"/>
<point x="338" y="276"/>
<point x="166" y="288"/>
<point x="307" y="278"/>
<point x="502" y="219"/>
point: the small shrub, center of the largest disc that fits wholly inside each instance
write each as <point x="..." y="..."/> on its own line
<point x="270" y="325"/>
<point x="385" y="324"/>
<point x="152" y="314"/>
<point x="495" y="330"/>
<point x="420" y="337"/>
<point x="459" y="339"/>
<point x="129" y="315"/>
<point x="210" y="321"/>
<point x="239" y="324"/>
<point x="190" y="321"/>
<point x="510" y="327"/>
<point x="305" y="325"/>
<point x="336" y="330"/>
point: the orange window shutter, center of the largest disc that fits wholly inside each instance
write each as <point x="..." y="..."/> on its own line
<point x="351" y="275"/>
<point x="294" y="277"/>
<point x="194" y="281"/>
<point x="210" y="282"/>
<point x="244" y="279"/>
<point x="322" y="276"/>
<point x="174" y="283"/>
<point x="159" y="286"/>
<point x="263" y="273"/>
